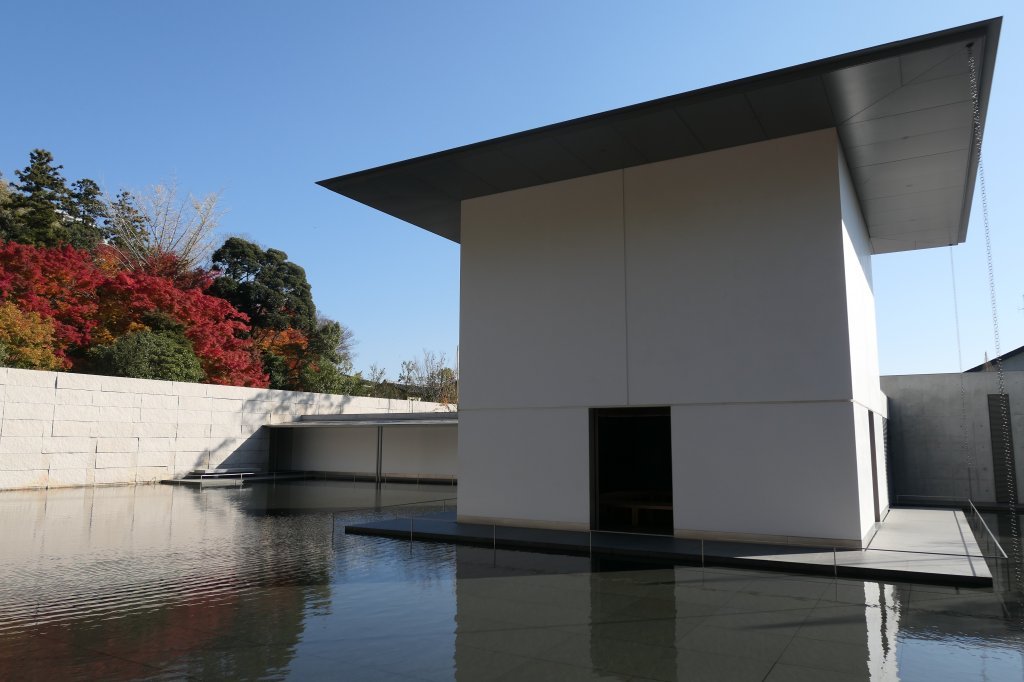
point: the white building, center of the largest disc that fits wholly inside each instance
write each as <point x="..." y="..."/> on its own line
<point x="667" y="318"/>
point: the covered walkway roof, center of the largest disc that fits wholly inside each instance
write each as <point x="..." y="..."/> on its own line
<point x="371" y="419"/>
<point x="903" y="112"/>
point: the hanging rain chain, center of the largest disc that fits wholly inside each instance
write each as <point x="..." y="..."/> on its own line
<point x="1011" y="482"/>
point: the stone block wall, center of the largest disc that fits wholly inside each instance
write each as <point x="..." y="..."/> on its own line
<point x="62" y="429"/>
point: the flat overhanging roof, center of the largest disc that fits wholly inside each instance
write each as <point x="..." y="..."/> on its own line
<point x="371" y="419"/>
<point x="903" y="112"/>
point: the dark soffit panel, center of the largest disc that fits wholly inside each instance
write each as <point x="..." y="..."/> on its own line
<point x="902" y="111"/>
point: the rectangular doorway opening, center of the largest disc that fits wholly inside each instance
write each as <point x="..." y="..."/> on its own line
<point x="631" y="470"/>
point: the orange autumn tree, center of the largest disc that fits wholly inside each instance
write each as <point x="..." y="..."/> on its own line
<point x="26" y="340"/>
<point x="288" y="346"/>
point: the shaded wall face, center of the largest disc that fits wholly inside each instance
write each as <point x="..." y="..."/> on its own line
<point x="696" y="283"/>
<point x="350" y="450"/>
<point x="869" y="404"/>
<point x="428" y="451"/>
<point x="930" y="454"/>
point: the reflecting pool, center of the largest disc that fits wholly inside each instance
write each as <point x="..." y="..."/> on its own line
<point x="160" y="582"/>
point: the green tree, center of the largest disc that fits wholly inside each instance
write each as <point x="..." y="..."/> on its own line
<point x="332" y="342"/>
<point x="7" y="215"/>
<point x="149" y="354"/>
<point x="44" y="211"/>
<point x="301" y="350"/>
<point x="264" y="285"/>
<point x="88" y="213"/>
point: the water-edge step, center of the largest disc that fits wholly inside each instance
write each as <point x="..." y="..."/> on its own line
<point x="216" y="477"/>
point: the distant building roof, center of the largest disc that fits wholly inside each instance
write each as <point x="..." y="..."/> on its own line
<point x="903" y="112"/>
<point x="1014" y="357"/>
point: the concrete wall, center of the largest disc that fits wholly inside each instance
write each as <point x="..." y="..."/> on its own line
<point x="783" y="471"/>
<point x="420" y="450"/>
<point x="926" y="440"/>
<point x="526" y="467"/>
<point x="350" y="450"/>
<point x="863" y="334"/>
<point x="406" y="450"/>
<point x="62" y="429"/>
<point x="726" y="283"/>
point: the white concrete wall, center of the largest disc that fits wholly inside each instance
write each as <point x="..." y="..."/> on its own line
<point x="428" y="451"/>
<point x="860" y="298"/>
<point x="350" y="450"/>
<point x="863" y="335"/>
<point x="525" y="467"/>
<point x="717" y="282"/>
<point x="782" y="471"/>
<point x="63" y="429"/>
<point x="420" y="450"/>
<point x="735" y="276"/>
<point x="543" y="297"/>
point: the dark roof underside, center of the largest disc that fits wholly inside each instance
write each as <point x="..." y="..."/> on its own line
<point x="903" y="112"/>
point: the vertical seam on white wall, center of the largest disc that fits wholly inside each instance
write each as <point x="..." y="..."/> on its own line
<point x="625" y="283"/>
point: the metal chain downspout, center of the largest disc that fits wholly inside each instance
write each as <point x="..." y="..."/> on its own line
<point x="1015" y="540"/>
<point x="965" y="450"/>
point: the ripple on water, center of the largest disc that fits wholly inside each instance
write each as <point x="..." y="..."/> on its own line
<point x="160" y="582"/>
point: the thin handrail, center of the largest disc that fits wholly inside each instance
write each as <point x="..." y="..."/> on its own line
<point x="946" y="498"/>
<point x="646" y="535"/>
<point x="987" y="530"/>
<point x="914" y="551"/>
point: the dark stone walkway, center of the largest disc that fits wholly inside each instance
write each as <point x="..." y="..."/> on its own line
<point x="966" y="568"/>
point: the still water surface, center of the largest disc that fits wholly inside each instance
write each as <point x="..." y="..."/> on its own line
<point x="261" y="583"/>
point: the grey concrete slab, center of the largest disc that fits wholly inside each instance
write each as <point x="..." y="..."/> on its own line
<point x="912" y="545"/>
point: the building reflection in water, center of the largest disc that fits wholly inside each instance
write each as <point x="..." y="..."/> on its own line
<point x="532" y="615"/>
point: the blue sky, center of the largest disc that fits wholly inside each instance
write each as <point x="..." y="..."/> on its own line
<point x="259" y="100"/>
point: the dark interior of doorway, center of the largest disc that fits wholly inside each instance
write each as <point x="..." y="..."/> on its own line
<point x="631" y="469"/>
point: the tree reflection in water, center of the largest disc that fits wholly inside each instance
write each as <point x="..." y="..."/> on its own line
<point x="262" y="583"/>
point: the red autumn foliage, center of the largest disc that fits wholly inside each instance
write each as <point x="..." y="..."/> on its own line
<point x="213" y="325"/>
<point x="89" y="301"/>
<point x="58" y="283"/>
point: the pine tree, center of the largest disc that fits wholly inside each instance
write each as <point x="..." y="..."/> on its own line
<point x="44" y="211"/>
<point x="7" y="216"/>
<point x="128" y="233"/>
<point x="88" y="215"/>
